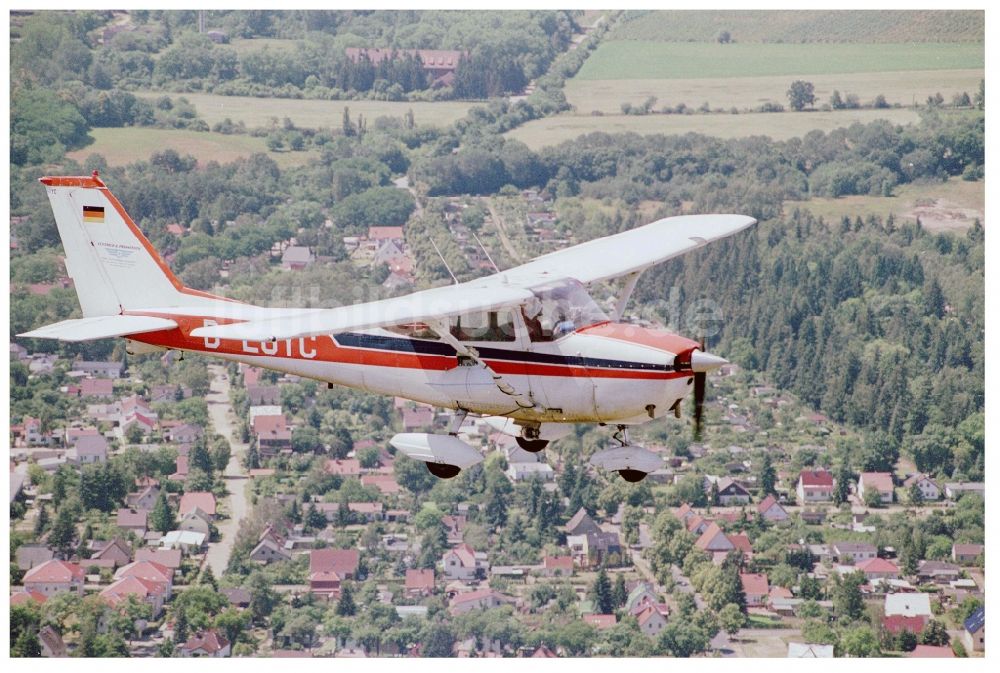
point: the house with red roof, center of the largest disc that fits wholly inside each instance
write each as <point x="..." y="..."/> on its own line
<point x="203" y="500"/>
<point x="814" y="486"/>
<point x="380" y="235"/>
<point x="756" y="588"/>
<point x="896" y="624"/>
<point x="329" y="567"/>
<point x="347" y="467"/>
<point x="209" y="643"/>
<point x="53" y="577"/>
<point x="877" y="482"/>
<point x="385" y="483"/>
<point x="464" y="563"/>
<point x="553" y="566"/>
<point x="771" y="510"/>
<point x="272" y="433"/>
<point x="102" y="388"/>
<point x="713" y="540"/>
<point x="879" y="568"/>
<point x="932" y="652"/>
<point x="150" y="571"/>
<point x="652" y="619"/>
<point x="26" y="597"/>
<point x="419" y="582"/>
<point x="147" y="591"/>
<point x="181" y="471"/>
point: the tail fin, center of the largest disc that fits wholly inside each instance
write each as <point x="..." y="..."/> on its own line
<point x="113" y="266"/>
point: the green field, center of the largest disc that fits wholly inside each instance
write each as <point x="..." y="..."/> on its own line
<point x="314" y="113"/>
<point x="795" y="26"/>
<point x="627" y="59"/>
<point x="243" y="46"/>
<point x="780" y="126"/>
<point x="903" y="88"/>
<point x="954" y="204"/>
<point x="124" y="145"/>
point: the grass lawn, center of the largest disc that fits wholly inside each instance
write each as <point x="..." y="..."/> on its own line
<point x="954" y="204"/>
<point x="630" y="59"/>
<point x="780" y="126"/>
<point x="314" y="113"/>
<point x="244" y="46"/>
<point x="904" y="88"/>
<point x="124" y="145"/>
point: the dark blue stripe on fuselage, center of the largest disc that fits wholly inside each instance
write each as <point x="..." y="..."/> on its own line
<point x="422" y="347"/>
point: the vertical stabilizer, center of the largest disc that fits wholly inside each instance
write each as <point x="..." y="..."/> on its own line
<point x="113" y="266"/>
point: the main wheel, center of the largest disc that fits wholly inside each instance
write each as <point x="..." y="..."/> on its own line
<point x="531" y="445"/>
<point x="443" y="471"/>
<point x="632" y="476"/>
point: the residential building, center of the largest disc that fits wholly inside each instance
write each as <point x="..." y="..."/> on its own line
<point x="974" y="631"/>
<point x="879" y="568"/>
<point x="929" y="489"/>
<point x="53" y="577"/>
<point x="464" y="563"/>
<point x="203" y="500"/>
<point x="153" y="593"/>
<point x="966" y="553"/>
<point x="206" y="644"/>
<point x="580" y="524"/>
<point x="268" y="551"/>
<point x="932" y="652"/>
<point x="419" y="582"/>
<point x="878" y="482"/>
<point x="150" y="571"/>
<point x="133" y="520"/>
<point x="482" y="599"/>
<point x="955" y="490"/>
<point x="329" y="567"/>
<point x="591" y="550"/>
<point x="731" y="492"/>
<point x="814" y="486"/>
<point x="853" y="552"/>
<point x="908" y="605"/>
<point x="756" y="588"/>
<point x="771" y="510"/>
<point x="553" y="566"/>
<point x="652" y="619"/>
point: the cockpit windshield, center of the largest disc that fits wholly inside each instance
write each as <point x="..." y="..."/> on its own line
<point x="560" y="308"/>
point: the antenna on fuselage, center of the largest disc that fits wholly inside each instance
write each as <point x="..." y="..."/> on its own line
<point x="486" y="252"/>
<point x="443" y="261"/>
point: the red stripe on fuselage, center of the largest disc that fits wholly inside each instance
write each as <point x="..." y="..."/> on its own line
<point x="324" y="348"/>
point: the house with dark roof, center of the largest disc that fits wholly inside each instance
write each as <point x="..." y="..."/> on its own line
<point x="591" y="550"/>
<point x="731" y="492"/>
<point x="974" y="631"/>
<point x="581" y="524"/>
<point x="268" y="551"/>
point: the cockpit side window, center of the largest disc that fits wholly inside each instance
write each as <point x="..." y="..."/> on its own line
<point x="484" y="326"/>
<point x="559" y="309"/>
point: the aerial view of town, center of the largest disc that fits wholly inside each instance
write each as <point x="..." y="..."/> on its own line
<point x="822" y="494"/>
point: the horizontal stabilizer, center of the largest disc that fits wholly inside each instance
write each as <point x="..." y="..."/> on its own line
<point x="444" y="449"/>
<point x="100" y="327"/>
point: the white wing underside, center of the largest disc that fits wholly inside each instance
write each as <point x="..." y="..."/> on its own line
<point x="100" y="327"/>
<point x="600" y="259"/>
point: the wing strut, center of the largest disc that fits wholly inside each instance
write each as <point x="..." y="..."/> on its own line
<point x="522" y="400"/>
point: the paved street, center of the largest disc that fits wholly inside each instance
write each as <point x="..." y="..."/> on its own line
<point x="221" y="412"/>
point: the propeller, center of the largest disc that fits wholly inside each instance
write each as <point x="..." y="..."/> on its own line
<point x="702" y="363"/>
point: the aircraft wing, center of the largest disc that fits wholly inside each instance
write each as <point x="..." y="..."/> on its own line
<point x="484" y="294"/>
<point x="630" y="251"/>
<point x="100" y="327"/>
<point x="609" y="257"/>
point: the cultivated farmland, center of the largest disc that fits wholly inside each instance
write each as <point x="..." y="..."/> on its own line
<point x="902" y="88"/>
<point x="121" y="146"/>
<point x="802" y="26"/>
<point x="314" y="113"/>
<point x="780" y="126"/>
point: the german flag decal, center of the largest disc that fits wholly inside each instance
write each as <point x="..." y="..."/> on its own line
<point x="93" y="214"/>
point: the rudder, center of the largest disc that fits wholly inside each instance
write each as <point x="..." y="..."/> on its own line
<point x="113" y="266"/>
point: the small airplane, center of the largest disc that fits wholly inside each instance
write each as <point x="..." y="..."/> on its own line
<point x="527" y="347"/>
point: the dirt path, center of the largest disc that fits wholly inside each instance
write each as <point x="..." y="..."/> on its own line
<point x="502" y="232"/>
<point x="221" y="413"/>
